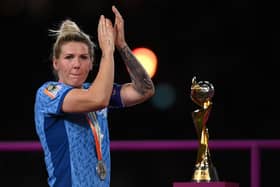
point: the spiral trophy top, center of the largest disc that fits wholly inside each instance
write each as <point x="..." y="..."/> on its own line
<point x="202" y="92"/>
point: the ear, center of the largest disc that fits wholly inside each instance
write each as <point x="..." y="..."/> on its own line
<point x="91" y="66"/>
<point x="55" y="62"/>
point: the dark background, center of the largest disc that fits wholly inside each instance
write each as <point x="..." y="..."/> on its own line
<point x="233" y="44"/>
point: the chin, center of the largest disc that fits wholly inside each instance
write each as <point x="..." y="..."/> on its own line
<point x="76" y="84"/>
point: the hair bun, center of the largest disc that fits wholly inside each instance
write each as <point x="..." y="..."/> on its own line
<point x="69" y="26"/>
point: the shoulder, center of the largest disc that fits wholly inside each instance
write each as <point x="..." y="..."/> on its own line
<point x="52" y="89"/>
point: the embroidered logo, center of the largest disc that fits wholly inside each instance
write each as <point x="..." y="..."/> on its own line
<point x="52" y="90"/>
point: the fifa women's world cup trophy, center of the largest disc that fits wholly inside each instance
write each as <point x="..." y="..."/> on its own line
<point x="201" y="94"/>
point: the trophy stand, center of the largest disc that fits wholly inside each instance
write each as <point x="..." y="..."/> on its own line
<point x="205" y="173"/>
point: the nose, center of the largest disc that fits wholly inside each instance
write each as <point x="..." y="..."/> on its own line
<point x="76" y="63"/>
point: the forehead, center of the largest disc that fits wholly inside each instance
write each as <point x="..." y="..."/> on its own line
<point x="74" y="47"/>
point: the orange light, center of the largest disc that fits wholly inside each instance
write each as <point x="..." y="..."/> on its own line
<point x="147" y="58"/>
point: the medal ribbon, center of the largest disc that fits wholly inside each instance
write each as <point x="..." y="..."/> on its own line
<point x="95" y="135"/>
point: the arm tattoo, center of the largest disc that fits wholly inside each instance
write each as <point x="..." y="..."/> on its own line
<point x="137" y="73"/>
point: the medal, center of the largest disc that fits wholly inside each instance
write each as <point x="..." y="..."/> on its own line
<point x="101" y="169"/>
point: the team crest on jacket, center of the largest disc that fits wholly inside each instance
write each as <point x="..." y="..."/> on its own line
<point x="52" y="90"/>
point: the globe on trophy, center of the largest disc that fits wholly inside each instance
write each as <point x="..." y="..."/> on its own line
<point x="201" y="94"/>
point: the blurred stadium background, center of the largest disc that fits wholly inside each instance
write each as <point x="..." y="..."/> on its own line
<point x="233" y="44"/>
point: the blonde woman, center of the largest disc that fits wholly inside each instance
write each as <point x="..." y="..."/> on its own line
<point x="71" y="114"/>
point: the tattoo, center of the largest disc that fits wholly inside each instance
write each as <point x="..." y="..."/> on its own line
<point x="137" y="73"/>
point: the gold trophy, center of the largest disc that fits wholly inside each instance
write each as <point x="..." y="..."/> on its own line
<point x="201" y="94"/>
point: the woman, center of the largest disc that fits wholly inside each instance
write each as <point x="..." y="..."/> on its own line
<point x="71" y="114"/>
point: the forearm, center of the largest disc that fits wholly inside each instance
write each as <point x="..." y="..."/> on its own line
<point x="103" y="83"/>
<point x="139" y="77"/>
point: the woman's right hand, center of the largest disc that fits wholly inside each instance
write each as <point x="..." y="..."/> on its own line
<point x="106" y="36"/>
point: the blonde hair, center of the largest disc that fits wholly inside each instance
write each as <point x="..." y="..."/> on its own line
<point x="69" y="31"/>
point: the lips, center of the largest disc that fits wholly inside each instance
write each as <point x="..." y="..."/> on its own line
<point x="75" y="75"/>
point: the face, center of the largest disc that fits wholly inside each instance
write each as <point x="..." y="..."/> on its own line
<point x="74" y="63"/>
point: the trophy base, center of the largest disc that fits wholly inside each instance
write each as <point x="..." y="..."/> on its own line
<point x="205" y="174"/>
<point x="205" y="184"/>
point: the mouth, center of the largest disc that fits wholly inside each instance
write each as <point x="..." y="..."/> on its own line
<point x="75" y="75"/>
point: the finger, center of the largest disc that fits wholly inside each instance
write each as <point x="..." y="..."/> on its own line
<point x="116" y="12"/>
<point x="102" y="24"/>
<point x="108" y="22"/>
<point x="99" y="25"/>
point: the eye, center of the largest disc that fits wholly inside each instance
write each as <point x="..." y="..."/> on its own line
<point x="84" y="57"/>
<point x="69" y="56"/>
